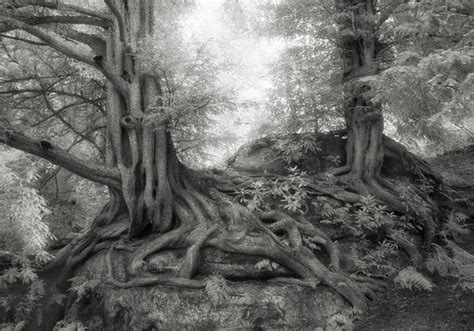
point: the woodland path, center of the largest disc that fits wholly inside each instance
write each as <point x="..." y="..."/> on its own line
<point x="447" y="307"/>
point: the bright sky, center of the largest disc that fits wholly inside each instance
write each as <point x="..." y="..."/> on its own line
<point x="254" y="57"/>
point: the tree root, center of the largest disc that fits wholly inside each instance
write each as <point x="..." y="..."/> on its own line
<point x="277" y="237"/>
<point x="78" y="250"/>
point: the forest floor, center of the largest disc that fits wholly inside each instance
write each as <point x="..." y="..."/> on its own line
<point x="447" y="307"/>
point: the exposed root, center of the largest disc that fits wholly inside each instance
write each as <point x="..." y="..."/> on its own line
<point x="307" y="229"/>
<point x="78" y="250"/>
<point x="405" y="244"/>
<point x="164" y="280"/>
<point x="163" y="241"/>
<point x="293" y="281"/>
<point x="193" y="256"/>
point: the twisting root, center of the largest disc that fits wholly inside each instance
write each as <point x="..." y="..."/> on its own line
<point x="78" y="250"/>
<point x="193" y="256"/>
<point x="164" y="280"/>
<point x="306" y="228"/>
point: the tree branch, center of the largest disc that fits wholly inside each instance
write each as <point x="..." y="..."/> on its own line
<point x="109" y="176"/>
<point x="61" y="6"/>
<point x="75" y="53"/>
<point x="59" y="20"/>
<point x="28" y="41"/>
<point x="49" y="38"/>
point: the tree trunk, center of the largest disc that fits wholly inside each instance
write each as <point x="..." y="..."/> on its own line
<point x="141" y="148"/>
<point x="363" y="115"/>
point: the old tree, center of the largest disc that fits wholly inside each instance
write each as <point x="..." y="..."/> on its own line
<point x="157" y="203"/>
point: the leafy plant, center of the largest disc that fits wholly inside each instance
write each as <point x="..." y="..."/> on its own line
<point x="292" y="192"/>
<point x="83" y="287"/>
<point x="340" y="321"/>
<point x="361" y="219"/>
<point x="69" y="326"/>
<point x="376" y="263"/>
<point x="216" y="288"/>
<point x="411" y="279"/>
<point x="21" y="207"/>
<point x="453" y="261"/>
<point x="27" y="305"/>
<point x="293" y="148"/>
<point x="335" y="160"/>
<point x="266" y="264"/>
<point x="454" y="226"/>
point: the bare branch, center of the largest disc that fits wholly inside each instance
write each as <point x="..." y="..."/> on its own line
<point x="61" y="6"/>
<point x="59" y="20"/>
<point x="28" y="41"/>
<point x="48" y="37"/>
<point x="95" y="172"/>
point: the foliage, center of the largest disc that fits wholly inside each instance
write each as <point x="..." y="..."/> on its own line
<point x="266" y="264"/>
<point x="28" y="305"/>
<point x="19" y="307"/>
<point x="340" y="321"/>
<point x="306" y="93"/>
<point x="69" y="326"/>
<point x="376" y="262"/>
<point x="363" y="218"/>
<point x="14" y="275"/>
<point x="48" y="96"/>
<point x="217" y="289"/>
<point x="424" y="55"/>
<point x="411" y="279"/>
<point x="24" y="306"/>
<point x="83" y="287"/>
<point x="293" y="148"/>
<point x="454" y="226"/>
<point x="453" y="261"/>
<point x="21" y="207"/>
<point x="291" y="192"/>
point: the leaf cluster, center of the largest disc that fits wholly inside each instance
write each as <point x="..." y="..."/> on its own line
<point x="292" y="192"/>
<point x="411" y="279"/>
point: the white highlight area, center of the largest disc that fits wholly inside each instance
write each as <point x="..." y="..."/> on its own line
<point x="249" y="57"/>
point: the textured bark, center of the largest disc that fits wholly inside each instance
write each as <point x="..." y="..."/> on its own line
<point x="363" y="113"/>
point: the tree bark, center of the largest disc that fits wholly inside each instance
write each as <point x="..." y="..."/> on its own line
<point x="363" y="113"/>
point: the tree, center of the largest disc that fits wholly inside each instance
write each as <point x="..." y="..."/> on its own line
<point x="151" y="191"/>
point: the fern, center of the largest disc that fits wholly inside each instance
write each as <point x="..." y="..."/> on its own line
<point x="453" y="261"/>
<point x="340" y="321"/>
<point x="454" y="226"/>
<point x="83" y="287"/>
<point x="440" y="262"/>
<point x="216" y="288"/>
<point x="411" y="279"/>
<point x="293" y="149"/>
<point x="376" y="262"/>
<point x="14" y="275"/>
<point x="25" y="308"/>
<point x="69" y="326"/>
<point x="292" y="192"/>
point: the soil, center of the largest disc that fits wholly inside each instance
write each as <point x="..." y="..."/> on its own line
<point x="447" y="307"/>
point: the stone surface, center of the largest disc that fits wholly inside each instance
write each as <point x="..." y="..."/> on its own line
<point x="253" y="305"/>
<point x="261" y="155"/>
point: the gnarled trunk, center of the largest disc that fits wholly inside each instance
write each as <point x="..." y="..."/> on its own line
<point x="141" y="148"/>
<point x="363" y="116"/>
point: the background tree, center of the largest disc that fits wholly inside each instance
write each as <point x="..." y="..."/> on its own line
<point x="412" y="33"/>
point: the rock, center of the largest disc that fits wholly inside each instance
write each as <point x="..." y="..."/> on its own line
<point x="261" y="155"/>
<point x="252" y="305"/>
